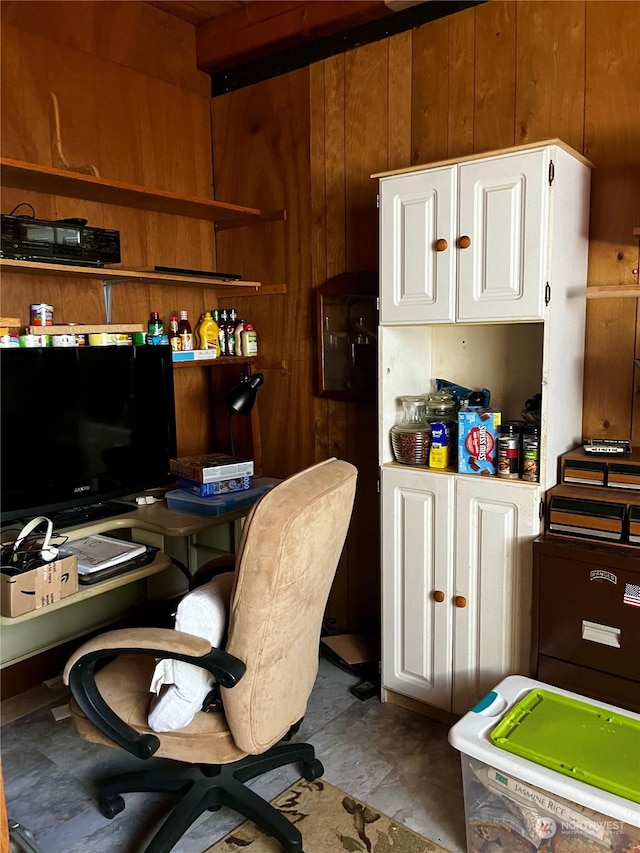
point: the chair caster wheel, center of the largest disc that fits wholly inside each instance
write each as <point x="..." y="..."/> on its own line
<point x="312" y="770"/>
<point x="111" y="806"/>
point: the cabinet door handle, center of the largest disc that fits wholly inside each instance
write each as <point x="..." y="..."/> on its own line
<point x="438" y="595"/>
<point x="441" y="245"/>
<point x="464" y="242"/>
<point x="460" y="601"/>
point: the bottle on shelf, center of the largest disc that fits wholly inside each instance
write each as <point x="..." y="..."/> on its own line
<point x="185" y="333"/>
<point x="216" y="324"/>
<point x="155" y="326"/>
<point x="206" y="335"/>
<point x="249" y="340"/>
<point x="237" y="334"/>
<point x="222" y="325"/>
<point x="174" y="335"/>
<point x="230" y="331"/>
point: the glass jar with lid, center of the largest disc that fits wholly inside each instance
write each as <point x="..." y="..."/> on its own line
<point x="411" y="434"/>
<point x="441" y="406"/>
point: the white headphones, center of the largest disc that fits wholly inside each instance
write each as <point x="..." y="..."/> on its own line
<point x="47" y="551"/>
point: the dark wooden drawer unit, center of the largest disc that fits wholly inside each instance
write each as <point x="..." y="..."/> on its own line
<point x="586" y="619"/>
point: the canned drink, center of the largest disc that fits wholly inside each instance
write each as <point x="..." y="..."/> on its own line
<point x="41" y="314"/>
<point x="30" y="341"/>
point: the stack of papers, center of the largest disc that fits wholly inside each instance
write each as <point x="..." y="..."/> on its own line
<point x="98" y="552"/>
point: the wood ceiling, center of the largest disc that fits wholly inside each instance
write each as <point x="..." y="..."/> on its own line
<point x="230" y="34"/>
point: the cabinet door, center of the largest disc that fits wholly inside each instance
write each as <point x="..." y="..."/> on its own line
<point x="417" y="535"/>
<point x="503" y="205"/>
<point x="417" y="252"/>
<point x="496" y="522"/>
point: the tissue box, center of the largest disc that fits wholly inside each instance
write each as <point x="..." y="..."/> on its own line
<point x="478" y="440"/>
<point x="20" y="594"/>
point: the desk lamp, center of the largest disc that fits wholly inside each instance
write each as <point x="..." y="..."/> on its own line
<point x="241" y="399"/>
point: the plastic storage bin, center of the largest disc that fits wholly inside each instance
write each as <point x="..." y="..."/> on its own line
<point x="548" y="771"/>
<point x="183" y="501"/>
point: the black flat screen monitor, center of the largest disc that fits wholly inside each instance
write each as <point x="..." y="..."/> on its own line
<point x="83" y="425"/>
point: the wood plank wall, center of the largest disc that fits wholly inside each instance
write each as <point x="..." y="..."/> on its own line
<point x="497" y="75"/>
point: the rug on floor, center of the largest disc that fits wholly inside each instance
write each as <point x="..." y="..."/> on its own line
<point x="330" y="822"/>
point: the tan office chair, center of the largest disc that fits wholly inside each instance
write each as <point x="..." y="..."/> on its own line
<point x="287" y="558"/>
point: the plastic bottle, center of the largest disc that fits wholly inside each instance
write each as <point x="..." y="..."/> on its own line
<point x="215" y="321"/>
<point x="155" y="326"/>
<point x="185" y="333"/>
<point x="229" y="331"/>
<point x="237" y="334"/>
<point x="174" y="337"/>
<point x="249" y="340"/>
<point x="207" y="334"/>
<point x="222" y="325"/>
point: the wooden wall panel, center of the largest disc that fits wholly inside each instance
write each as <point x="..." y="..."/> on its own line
<point x="399" y="102"/>
<point x="612" y="131"/>
<point x="430" y="92"/>
<point x="462" y="55"/>
<point x="495" y="83"/>
<point x="546" y="107"/>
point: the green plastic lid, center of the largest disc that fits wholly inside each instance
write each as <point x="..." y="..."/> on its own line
<point x="574" y="738"/>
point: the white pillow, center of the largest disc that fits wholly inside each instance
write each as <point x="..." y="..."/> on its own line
<point x="182" y="686"/>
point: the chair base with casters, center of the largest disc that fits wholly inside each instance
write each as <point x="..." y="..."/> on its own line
<point x="208" y="787"/>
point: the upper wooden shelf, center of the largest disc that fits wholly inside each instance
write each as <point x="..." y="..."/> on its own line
<point x="44" y="179"/>
<point x="604" y="291"/>
<point x="109" y="274"/>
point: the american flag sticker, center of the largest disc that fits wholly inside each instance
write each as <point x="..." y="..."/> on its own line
<point x="631" y="594"/>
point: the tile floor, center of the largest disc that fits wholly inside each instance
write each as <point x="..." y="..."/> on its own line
<point x="395" y="760"/>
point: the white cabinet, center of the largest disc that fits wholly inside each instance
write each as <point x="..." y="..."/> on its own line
<point x="505" y="313"/>
<point x="456" y="585"/>
<point x="470" y="242"/>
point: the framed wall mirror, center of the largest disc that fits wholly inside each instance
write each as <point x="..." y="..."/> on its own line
<point x="347" y="324"/>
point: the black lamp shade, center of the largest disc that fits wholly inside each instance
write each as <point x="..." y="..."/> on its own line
<point x="242" y="397"/>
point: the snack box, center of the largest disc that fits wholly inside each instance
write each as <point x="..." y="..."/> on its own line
<point x="40" y="587"/>
<point x="478" y="439"/>
<point x="210" y="467"/>
<point x="548" y="771"/>
<point x="218" y="487"/>
<point x="183" y="501"/>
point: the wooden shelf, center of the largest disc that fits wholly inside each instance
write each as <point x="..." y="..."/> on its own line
<point x="609" y="291"/>
<point x="216" y="362"/>
<point x="44" y="179"/>
<point x="115" y="276"/>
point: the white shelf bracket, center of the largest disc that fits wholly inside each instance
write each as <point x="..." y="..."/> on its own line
<point x="106" y="287"/>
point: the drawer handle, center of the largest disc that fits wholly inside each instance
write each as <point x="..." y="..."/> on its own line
<point x="441" y="245"/>
<point x="438" y="595"/>
<point x="464" y="242"/>
<point x="460" y="601"/>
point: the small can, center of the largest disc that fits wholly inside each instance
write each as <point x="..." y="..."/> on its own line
<point x="509" y="451"/>
<point x="63" y="341"/>
<point x="41" y="314"/>
<point x="531" y="454"/>
<point x="30" y="341"/>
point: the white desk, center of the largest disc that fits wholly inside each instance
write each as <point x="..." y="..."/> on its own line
<point x="97" y="605"/>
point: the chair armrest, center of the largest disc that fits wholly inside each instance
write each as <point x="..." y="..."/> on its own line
<point x="79" y="674"/>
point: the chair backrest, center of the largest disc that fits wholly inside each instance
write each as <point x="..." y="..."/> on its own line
<point x="287" y="559"/>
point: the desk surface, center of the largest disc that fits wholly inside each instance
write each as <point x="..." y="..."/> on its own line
<point x="161" y="562"/>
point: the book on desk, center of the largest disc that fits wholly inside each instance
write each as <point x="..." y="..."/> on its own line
<point x="102" y="557"/>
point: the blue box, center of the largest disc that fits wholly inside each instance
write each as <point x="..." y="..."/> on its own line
<point x="183" y="501"/>
<point x="478" y="439"/>
<point x="219" y="487"/>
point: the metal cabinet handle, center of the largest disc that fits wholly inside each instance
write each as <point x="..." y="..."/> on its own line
<point x="460" y="601"/>
<point x="438" y="595"/>
<point x="441" y="245"/>
<point x="464" y="242"/>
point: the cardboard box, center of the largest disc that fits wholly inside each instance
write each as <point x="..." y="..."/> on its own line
<point x="210" y="467"/>
<point x="478" y="440"/>
<point x="218" y="487"/>
<point x="40" y="587"/>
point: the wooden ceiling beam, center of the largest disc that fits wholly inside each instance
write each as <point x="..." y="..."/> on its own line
<point x="265" y="27"/>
